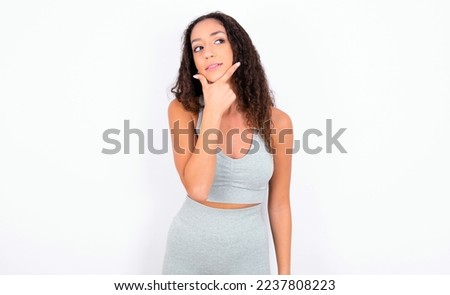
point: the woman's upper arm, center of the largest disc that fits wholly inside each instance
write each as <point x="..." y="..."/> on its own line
<point x="283" y="139"/>
<point x="181" y="124"/>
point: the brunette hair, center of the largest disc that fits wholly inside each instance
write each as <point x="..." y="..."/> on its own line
<point x="254" y="97"/>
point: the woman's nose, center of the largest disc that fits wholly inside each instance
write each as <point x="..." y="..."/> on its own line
<point x="208" y="52"/>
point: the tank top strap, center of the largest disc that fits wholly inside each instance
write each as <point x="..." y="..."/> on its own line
<point x="200" y="115"/>
<point x="199" y="121"/>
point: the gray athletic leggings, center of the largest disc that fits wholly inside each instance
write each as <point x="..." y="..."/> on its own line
<point x="204" y="240"/>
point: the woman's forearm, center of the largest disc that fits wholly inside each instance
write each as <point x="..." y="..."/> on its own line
<point x="281" y="226"/>
<point x="200" y="170"/>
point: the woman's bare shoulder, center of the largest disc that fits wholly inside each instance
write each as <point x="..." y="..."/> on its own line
<point x="281" y="119"/>
<point x="176" y="110"/>
<point x="176" y="106"/>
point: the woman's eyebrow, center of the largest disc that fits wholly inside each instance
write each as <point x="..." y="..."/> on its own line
<point x="212" y="34"/>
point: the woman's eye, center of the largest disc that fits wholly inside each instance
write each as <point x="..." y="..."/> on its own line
<point x="219" y="41"/>
<point x="197" y="48"/>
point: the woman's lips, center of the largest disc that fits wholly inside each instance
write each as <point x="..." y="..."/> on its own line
<point x="212" y="67"/>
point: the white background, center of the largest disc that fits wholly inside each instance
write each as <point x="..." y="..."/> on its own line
<point x="69" y="70"/>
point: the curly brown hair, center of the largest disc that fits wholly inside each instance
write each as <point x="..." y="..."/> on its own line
<point x="254" y="97"/>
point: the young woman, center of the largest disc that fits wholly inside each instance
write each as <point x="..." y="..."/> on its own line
<point x="231" y="150"/>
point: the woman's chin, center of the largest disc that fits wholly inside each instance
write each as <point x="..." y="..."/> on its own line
<point x="213" y="78"/>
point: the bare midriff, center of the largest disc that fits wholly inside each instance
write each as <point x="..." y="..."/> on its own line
<point x="226" y="205"/>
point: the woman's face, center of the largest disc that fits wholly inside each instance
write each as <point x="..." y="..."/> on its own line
<point x="211" y="49"/>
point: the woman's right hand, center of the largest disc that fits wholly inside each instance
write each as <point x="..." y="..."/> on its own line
<point x="218" y="96"/>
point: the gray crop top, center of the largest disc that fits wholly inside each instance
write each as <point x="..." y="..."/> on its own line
<point x="243" y="180"/>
